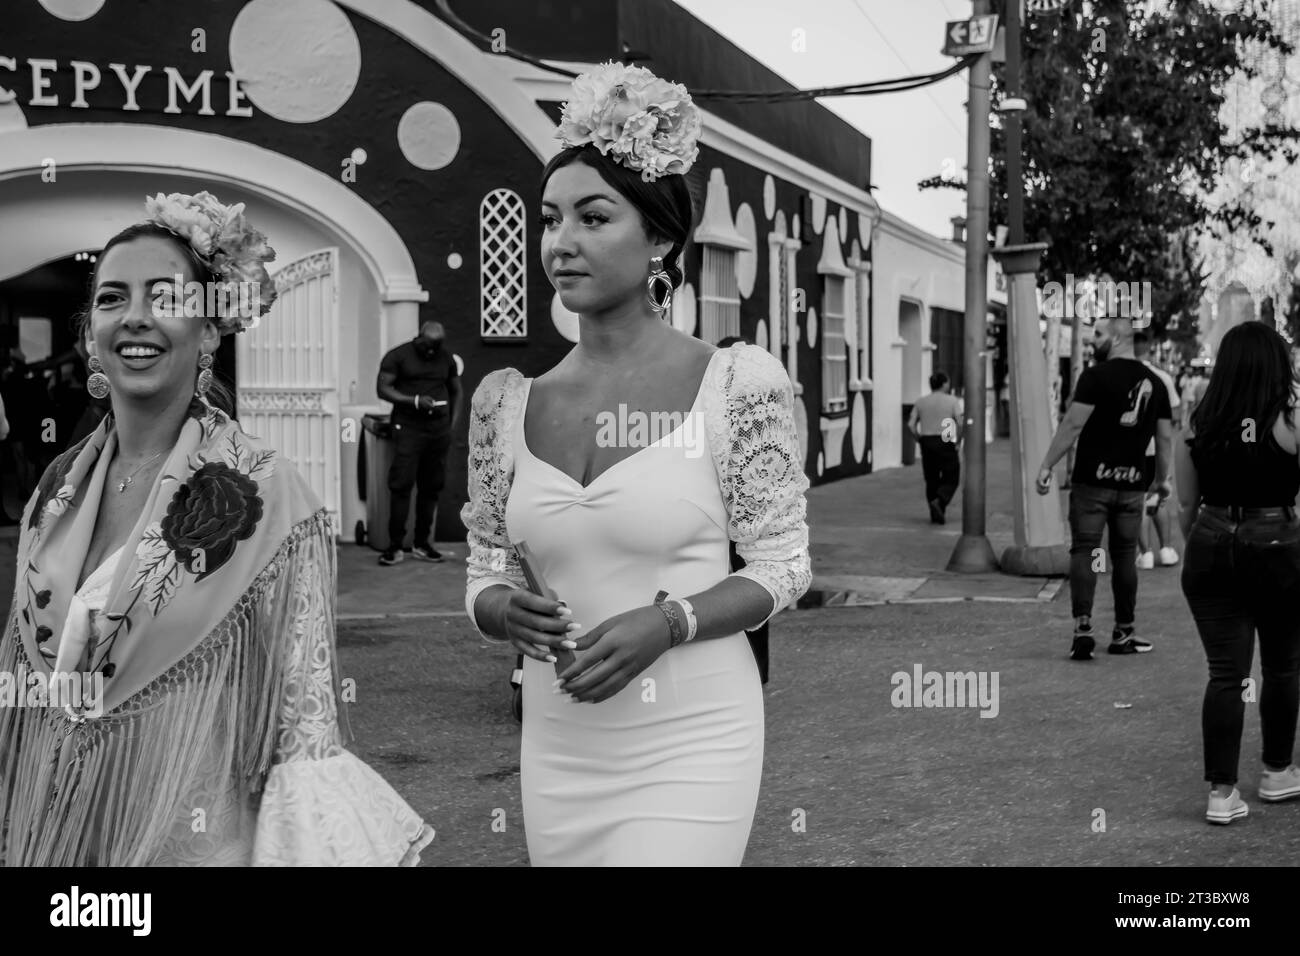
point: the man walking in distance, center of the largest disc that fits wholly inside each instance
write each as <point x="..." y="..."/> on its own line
<point x="1119" y="404"/>
<point x="936" y="423"/>
<point x="420" y="379"/>
<point x="1156" y="515"/>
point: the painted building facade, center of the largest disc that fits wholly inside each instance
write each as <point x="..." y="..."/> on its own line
<point x="394" y="161"/>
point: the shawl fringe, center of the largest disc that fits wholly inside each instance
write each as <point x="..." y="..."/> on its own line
<point x="109" y="791"/>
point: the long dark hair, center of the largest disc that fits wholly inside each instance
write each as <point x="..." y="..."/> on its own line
<point x="218" y="394"/>
<point x="1252" y="381"/>
<point x="664" y="205"/>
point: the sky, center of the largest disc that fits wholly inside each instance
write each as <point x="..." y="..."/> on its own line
<point x="915" y="134"/>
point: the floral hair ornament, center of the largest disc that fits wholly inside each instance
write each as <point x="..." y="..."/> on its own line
<point x="228" y="245"/>
<point x="646" y="123"/>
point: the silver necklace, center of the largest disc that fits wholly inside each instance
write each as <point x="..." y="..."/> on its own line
<point x="121" y="485"/>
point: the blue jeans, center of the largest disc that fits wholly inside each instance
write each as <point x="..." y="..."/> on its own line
<point x="1092" y="511"/>
<point x="1242" y="578"/>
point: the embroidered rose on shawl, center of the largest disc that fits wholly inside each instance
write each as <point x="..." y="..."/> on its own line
<point x="498" y="560"/>
<point x="218" y="506"/>
<point x="209" y="514"/>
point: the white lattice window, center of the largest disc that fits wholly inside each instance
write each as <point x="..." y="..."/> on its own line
<point x="503" y="270"/>
<point x="719" y="295"/>
<point x="835" y="358"/>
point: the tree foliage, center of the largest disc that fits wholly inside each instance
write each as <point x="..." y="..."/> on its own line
<point x="1123" y="143"/>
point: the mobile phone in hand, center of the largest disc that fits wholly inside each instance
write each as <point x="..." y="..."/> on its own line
<point x="537" y="584"/>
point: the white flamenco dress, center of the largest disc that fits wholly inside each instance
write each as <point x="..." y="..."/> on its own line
<point x="667" y="771"/>
<point x="320" y="805"/>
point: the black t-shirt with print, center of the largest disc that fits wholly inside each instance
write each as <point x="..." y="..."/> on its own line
<point x="1127" y="399"/>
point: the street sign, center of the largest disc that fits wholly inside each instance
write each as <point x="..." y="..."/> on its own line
<point x="976" y="35"/>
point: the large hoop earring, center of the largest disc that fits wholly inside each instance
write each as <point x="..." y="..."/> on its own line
<point x="659" y="301"/>
<point x="97" y="383"/>
<point x="205" y="375"/>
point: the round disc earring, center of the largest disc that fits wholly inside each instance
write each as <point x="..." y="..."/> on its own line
<point x="97" y="383"/>
<point x="205" y="374"/>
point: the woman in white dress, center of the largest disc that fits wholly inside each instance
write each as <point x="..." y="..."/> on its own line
<point x="627" y="469"/>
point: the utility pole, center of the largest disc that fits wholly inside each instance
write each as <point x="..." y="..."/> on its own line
<point x="973" y="553"/>
<point x="1039" y="547"/>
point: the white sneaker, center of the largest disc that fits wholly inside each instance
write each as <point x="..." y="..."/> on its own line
<point x="1226" y="809"/>
<point x="1168" y="557"/>
<point x="1275" y="785"/>
<point x="1146" y="560"/>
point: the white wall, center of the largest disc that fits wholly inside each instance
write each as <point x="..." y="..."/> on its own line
<point x="908" y="264"/>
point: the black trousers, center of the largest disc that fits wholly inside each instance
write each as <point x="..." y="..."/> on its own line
<point x="420" y="461"/>
<point x="941" y="466"/>
<point x="1241" y="580"/>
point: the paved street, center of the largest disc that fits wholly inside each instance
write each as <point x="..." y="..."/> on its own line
<point x="877" y="785"/>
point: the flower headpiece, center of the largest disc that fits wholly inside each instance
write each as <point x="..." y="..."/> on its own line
<point x="648" y="124"/>
<point x="226" y="243"/>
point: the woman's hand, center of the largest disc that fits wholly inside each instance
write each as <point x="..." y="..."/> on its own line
<point x="535" y="625"/>
<point x="620" y="649"/>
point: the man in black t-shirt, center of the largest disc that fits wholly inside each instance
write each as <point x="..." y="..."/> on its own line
<point x="1118" y="405"/>
<point x="420" y="379"/>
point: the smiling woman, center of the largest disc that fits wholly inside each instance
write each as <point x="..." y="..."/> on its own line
<point x="189" y="570"/>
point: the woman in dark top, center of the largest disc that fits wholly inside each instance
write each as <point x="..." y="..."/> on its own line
<point x="1238" y="474"/>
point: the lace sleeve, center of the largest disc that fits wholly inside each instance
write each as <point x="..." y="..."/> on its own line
<point x="321" y="805"/>
<point x="756" y="448"/>
<point x="492" y="560"/>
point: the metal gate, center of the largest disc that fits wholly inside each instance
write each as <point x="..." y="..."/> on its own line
<point x="287" y="369"/>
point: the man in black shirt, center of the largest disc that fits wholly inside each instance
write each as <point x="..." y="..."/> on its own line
<point x="420" y="379"/>
<point x="1118" y="405"/>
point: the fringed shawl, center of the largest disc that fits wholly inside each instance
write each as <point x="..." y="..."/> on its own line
<point x="217" y="656"/>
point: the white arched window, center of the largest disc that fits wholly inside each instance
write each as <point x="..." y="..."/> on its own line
<point x="503" y="269"/>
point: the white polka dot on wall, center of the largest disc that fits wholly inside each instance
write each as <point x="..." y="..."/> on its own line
<point x="859" y="427"/>
<point x="11" y="117"/>
<point x="429" y="135"/>
<point x="73" y="10"/>
<point x="746" y="259"/>
<point x="565" y="322"/>
<point x="299" y="60"/>
<point x="454" y="261"/>
<point x="769" y="197"/>
<point x="359" y="156"/>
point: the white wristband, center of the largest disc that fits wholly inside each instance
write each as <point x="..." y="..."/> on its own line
<point x="691" y="624"/>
